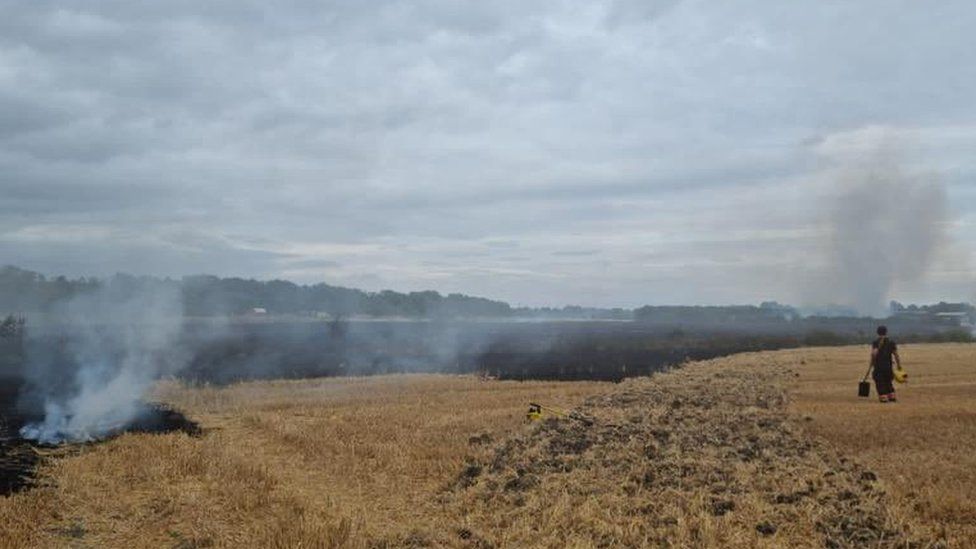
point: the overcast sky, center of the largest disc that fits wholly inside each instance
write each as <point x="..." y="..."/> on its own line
<point x="610" y="153"/>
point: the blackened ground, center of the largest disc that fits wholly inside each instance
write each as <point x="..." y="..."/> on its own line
<point x="585" y="350"/>
<point x="159" y="418"/>
<point x="153" y="418"/>
<point x="224" y="353"/>
<point x="17" y="462"/>
<point x="19" y="459"/>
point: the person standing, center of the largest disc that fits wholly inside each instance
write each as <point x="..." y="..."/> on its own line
<point x="884" y="356"/>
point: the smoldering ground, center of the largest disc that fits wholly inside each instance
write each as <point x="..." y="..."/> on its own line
<point x="88" y="363"/>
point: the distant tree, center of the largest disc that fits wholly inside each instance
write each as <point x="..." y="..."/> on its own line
<point x="12" y="327"/>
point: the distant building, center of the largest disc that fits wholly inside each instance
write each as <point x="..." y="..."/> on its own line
<point x="960" y="318"/>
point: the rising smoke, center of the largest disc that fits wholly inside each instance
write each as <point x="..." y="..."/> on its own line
<point x="885" y="227"/>
<point x="89" y="367"/>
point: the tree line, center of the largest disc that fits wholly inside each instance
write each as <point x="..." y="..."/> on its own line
<point x="24" y="291"/>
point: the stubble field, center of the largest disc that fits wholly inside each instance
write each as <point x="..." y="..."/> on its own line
<point x="761" y="449"/>
<point x="341" y="462"/>
<point x="923" y="446"/>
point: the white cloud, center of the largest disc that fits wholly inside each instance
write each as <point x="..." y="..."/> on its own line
<point x="74" y="234"/>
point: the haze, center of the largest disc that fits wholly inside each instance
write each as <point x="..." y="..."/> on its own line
<point x="600" y="153"/>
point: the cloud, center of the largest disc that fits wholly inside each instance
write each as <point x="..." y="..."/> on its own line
<point x="390" y="144"/>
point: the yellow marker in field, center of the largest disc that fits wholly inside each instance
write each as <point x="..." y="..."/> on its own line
<point x="534" y="413"/>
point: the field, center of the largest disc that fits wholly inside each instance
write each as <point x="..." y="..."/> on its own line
<point x="756" y="450"/>
<point x="922" y="446"/>
<point x="326" y="463"/>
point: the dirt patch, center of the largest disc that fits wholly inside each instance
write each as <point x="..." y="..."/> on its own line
<point x="710" y="444"/>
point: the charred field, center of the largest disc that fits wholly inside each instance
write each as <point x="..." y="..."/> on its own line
<point x="518" y="350"/>
<point x="17" y="456"/>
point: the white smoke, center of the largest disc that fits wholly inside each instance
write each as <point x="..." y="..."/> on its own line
<point x="885" y="225"/>
<point x="114" y="344"/>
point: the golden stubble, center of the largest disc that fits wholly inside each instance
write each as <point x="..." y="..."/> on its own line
<point x="923" y="446"/>
<point x="311" y="463"/>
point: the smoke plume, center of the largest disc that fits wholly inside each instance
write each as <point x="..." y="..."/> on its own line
<point x="885" y="227"/>
<point x="89" y="368"/>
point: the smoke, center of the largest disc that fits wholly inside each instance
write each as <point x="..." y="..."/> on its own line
<point x="885" y="227"/>
<point x="89" y="367"/>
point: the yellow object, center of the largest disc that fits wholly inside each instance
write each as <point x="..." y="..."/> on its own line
<point x="901" y="376"/>
<point x="538" y="411"/>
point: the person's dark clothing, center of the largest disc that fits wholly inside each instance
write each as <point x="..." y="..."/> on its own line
<point x="882" y="373"/>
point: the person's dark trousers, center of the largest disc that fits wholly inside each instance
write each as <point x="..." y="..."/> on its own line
<point x="883" y="382"/>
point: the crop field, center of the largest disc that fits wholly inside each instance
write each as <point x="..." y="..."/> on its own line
<point x="338" y="462"/>
<point x="767" y="449"/>
<point x="922" y="446"/>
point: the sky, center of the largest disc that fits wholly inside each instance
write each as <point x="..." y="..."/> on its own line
<point x="597" y="152"/>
